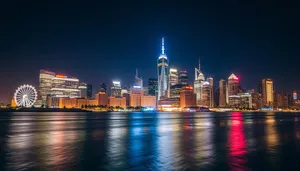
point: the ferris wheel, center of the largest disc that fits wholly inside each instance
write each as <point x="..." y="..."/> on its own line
<point x="25" y="95"/>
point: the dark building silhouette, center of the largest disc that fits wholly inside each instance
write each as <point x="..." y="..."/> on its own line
<point x="152" y="86"/>
<point x="103" y="87"/>
<point x="89" y="91"/>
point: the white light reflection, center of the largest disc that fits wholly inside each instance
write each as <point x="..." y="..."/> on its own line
<point x="116" y="138"/>
<point x="165" y="144"/>
<point x="204" y="154"/>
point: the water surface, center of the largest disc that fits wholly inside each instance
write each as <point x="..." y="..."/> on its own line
<point x="149" y="141"/>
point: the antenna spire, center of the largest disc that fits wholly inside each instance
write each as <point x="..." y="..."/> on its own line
<point x="199" y="64"/>
<point x="163" y="46"/>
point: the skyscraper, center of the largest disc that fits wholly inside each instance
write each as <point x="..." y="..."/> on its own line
<point x="267" y="92"/>
<point x="233" y="85"/>
<point x="45" y="84"/>
<point x="183" y="77"/>
<point x="57" y="85"/>
<point x="137" y="85"/>
<point x="206" y="94"/>
<point x="116" y="89"/>
<point x="173" y="77"/>
<point x="162" y="71"/>
<point x="152" y="86"/>
<point x="63" y="86"/>
<point x="138" y="81"/>
<point x="212" y="87"/>
<point x="198" y="84"/>
<point x="222" y="96"/>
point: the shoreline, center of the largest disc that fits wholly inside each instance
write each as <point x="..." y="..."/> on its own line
<point x="82" y="110"/>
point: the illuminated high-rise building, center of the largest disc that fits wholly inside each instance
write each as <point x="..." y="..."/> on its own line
<point x="115" y="90"/>
<point x="233" y="85"/>
<point x="267" y="92"/>
<point x="206" y="99"/>
<point x="173" y="77"/>
<point x="45" y="84"/>
<point x="183" y="77"/>
<point x="211" y="83"/>
<point x="152" y="86"/>
<point x="63" y="86"/>
<point x="198" y="84"/>
<point x="137" y="87"/>
<point x="222" y="94"/>
<point x="162" y="70"/>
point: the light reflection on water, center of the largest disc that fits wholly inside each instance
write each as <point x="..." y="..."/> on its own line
<point x="149" y="141"/>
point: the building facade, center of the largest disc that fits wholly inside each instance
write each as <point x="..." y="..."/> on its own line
<point x="83" y="90"/>
<point x="206" y="99"/>
<point x="256" y="101"/>
<point x="267" y="92"/>
<point x="102" y="98"/>
<point x="63" y="86"/>
<point x="183" y="77"/>
<point x="148" y="101"/>
<point x="187" y="97"/>
<point x="45" y="84"/>
<point x="117" y="101"/>
<point x="233" y="85"/>
<point x="115" y="90"/>
<point x="173" y="77"/>
<point x="246" y="101"/>
<point x="175" y="90"/>
<point x="222" y="94"/>
<point x="152" y="87"/>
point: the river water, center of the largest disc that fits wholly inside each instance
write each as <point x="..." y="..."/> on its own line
<point x="149" y="141"/>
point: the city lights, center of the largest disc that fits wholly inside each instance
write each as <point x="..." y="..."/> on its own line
<point x="171" y="90"/>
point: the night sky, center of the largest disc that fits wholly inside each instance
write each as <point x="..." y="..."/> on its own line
<point x="98" y="42"/>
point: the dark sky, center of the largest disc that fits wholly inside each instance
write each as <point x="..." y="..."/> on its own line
<point x="102" y="41"/>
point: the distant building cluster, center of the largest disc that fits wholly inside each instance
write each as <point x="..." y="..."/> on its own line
<point x="172" y="90"/>
<point x="61" y="91"/>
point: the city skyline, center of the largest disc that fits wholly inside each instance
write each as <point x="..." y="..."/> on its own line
<point x="250" y="48"/>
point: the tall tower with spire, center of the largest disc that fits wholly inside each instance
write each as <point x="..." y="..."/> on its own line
<point x="162" y="72"/>
<point x="198" y="84"/>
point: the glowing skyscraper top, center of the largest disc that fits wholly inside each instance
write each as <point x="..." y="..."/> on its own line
<point x="163" y="46"/>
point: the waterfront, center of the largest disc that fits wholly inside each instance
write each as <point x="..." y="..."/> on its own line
<point x="149" y="141"/>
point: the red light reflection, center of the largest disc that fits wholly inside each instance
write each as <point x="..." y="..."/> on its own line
<point x="237" y="143"/>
